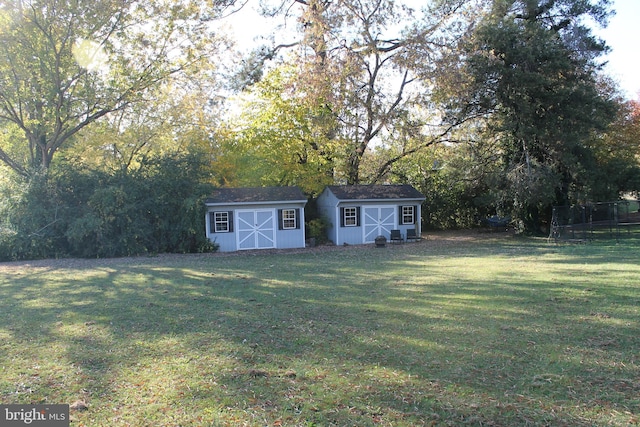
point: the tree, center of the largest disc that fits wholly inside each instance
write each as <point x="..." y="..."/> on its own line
<point x="616" y="164"/>
<point x="276" y="139"/>
<point x="173" y="121"/>
<point x="65" y="65"/>
<point x="530" y="68"/>
<point x="367" y="66"/>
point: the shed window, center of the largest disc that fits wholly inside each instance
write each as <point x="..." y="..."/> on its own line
<point x="408" y="214"/>
<point x="222" y="222"/>
<point x="350" y="217"/>
<point x="289" y="219"/>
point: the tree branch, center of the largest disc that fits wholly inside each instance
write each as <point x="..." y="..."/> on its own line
<point x="435" y="139"/>
<point x="12" y="164"/>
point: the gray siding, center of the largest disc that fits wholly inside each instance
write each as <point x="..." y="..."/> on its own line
<point x="376" y="217"/>
<point x="327" y="207"/>
<point x="264" y="217"/>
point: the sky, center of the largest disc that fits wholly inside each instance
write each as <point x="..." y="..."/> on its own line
<point x="622" y="35"/>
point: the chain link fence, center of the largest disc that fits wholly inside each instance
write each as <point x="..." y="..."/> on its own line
<point x="604" y="220"/>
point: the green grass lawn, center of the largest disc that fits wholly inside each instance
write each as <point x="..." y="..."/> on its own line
<point x="495" y="331"/>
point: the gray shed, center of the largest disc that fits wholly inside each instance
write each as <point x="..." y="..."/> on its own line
<point x="256" y="218"/>
<point x="358" y="214"/>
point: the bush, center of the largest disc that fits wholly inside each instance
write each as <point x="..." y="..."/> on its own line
<point x="89" y="213"/>
<point x="317" y="229"/>
<point x="33" y="220"/>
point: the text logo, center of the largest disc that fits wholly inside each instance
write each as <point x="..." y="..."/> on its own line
<point x="34" y="415"/>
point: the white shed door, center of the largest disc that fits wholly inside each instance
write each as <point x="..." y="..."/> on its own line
<point x="255" y="229"/>
<point x="378" y="221"/>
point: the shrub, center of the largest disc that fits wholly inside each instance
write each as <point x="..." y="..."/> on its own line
<point x="33" y="220"/>
<point x="89" y="213"/>
<point x="317" y="229"/>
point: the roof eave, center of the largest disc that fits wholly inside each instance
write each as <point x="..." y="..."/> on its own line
<point x="269" y="202"/>
<point x="408" y="199"/>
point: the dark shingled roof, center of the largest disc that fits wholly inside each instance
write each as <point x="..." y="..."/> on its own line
<point x="375" y="192"/>
<point x="256" y="195"/>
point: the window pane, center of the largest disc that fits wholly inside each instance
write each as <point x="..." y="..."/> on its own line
<point x="222" y="222"/>
<point x="350" y="218"/>
<point x="288" y="219"/>
<point x="407" y="214"/>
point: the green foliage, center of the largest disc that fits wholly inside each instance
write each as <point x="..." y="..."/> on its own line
<point x="282" y="139"/>
<point x="360" y="98"/>
<point x="89" y="213"/>
<point x="66" y="65"/>
<point x="316" y="225"/>
<point x="115" y="221"/>
<point x="616" y="161"/>
<point x="531" y="71"/>
<point x="34" y="219"/>
<point x="457" y="181"/>
<point x="450" y="202"/>
<point x="317" y="229"/>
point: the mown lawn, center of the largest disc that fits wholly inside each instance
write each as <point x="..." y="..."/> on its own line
<point x="492" y="331"/>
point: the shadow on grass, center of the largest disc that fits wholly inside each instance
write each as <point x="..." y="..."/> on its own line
<point x="502" y="333"/>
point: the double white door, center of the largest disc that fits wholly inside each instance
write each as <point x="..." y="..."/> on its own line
<point x="378" y="221"/>
<point x="256" y="229"/>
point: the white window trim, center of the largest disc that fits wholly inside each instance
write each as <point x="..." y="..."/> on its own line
<point x="218" y="222"/>
<point x="405" y="215"/>
<point x="352" y="216"/>
<point x="289" y="216"/>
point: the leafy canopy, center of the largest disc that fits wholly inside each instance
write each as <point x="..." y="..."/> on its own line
<point x="65" y="65"/>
